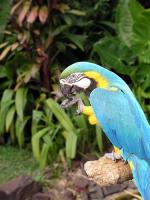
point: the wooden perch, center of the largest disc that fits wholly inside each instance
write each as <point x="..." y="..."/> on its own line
<point x="106" y="172"/>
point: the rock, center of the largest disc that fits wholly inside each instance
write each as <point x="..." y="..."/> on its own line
<point x="95" y="191"/>
<point x="111" y="189"/>
<point x="83" y="196"/>
<point x="42" y="196"/>
<point x="68" y="195"/>
<point x="80" y="182"/>
<point x="20" y="188"/>
<point x="124" y="185"/>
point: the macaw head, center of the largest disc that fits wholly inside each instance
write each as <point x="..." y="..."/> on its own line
<point x="85" y="76"/>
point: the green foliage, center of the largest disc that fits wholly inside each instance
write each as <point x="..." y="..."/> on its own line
<point x="112" y="54"/>
<point x="20" y="102"/>
<point x="53" y="129"/>
<point x="11" y="112"/>
<point x="6" y="102"/>
<point x="9" y="117"/>
<point x="99" y="138"/>
<point x="4" y="14"/>
<point x="126" y="15"/>
<point x="36" y="142"/>
<point x="70" y="133"/>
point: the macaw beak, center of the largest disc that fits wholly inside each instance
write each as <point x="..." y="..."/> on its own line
<point x="65" y="89"/>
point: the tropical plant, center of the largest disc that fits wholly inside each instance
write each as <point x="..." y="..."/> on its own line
<point x="52" y="130"/>
<point x="35" y="39"/>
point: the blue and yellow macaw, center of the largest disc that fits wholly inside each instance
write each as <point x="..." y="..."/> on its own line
<point x="115" y="107"/>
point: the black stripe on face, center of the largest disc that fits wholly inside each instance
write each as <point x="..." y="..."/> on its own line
<point x="92" y="86"/>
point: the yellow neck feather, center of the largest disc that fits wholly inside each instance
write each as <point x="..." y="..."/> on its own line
<point x="101" y="81"/>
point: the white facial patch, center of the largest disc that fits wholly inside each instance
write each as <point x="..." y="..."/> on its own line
<point x="83" y="83"/>
<point x="63" y="82"/>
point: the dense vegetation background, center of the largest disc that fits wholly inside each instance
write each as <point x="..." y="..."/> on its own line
<point x="38" y="39"/>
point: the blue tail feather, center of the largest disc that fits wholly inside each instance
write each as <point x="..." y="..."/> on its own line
<point x="141" y="175"/>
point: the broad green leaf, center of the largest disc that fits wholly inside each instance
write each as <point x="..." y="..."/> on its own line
<point x="10" y="117"/>
<point x="61" y="115"/>
<point x="36" y="117"/>
<point x="141" y="36"/>
<point x="31" y="73"/>
<point x="71" y="144"/>
<point x="126" y="15"/>
<point x="20" y="101"/>
<point x="58" y="30"/>
<point x="77" y="12"/>
<point x="142" y="76"/>
<point x="3" y="73"/>
<point x="5" y="103"/>
<point x="81" y="123"/>
<point x="44" y="155"/>
<point x="20" y="133"/>
<point x="5" y="7"/>
<point x="71" y="133"/>
<point x="78" y="40"/>
<point x="99" y="138"/>
<point x="144" y="56"/>
<point x="112" y="54"/>
<point x="55" y="132"/>
<point x="47" y="138"/>
<point x="3" y="113"/>
<point x="7" y="95"/>
<point x="124" y="21"/>
<point x="36" y="142"/>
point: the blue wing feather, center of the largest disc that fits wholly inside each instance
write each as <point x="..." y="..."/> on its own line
<point x="122" y="120"/>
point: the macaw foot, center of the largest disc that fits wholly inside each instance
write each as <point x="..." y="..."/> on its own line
<point x="65" y="103"/>
<point x="71" y="101"/>
<point x="87" y="110"/>
<point x="80" y="106"/>
<point x="113" y="155"/>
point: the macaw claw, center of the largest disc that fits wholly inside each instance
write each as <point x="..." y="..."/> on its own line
<point x="80" y="106"/>
<point x="72" y="101"/>
<point x="68" y="102"/>
<point x="113" y="155"/>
